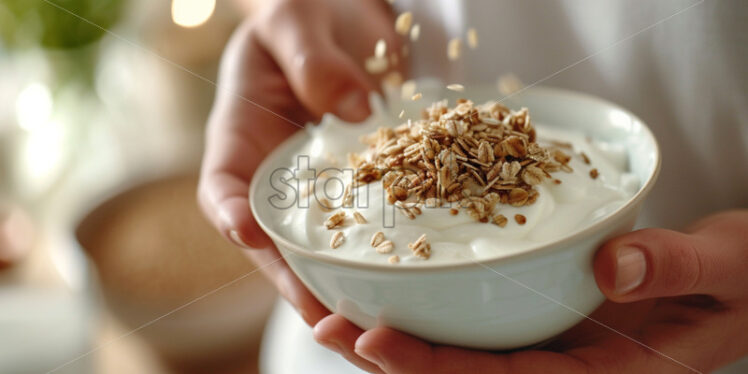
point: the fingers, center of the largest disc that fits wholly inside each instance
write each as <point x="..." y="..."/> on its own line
<point x="299" y="36"/>
<point x="398" y="353"/>
<point x="240" y="132"/>
<point x="270" y="262"/>
<point x="223" y="197"/>
<point x="660" y="263"/>
<point x="339" y="335"/>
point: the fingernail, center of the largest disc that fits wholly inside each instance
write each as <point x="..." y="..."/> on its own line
<point x="631" y="267"/>
<point x="353" y="106"/>
<point x="234" y="235"/>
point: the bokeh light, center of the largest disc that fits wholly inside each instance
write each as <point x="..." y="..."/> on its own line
<point x="192" y="13"/>
<point x="33" y="106"/>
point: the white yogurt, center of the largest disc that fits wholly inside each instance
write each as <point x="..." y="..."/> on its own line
<point x="561" y="209"/>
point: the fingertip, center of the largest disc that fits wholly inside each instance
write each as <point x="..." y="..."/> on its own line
<point x="324" y="330"/>
<point x="353" y="106"/>
<point x="239" y="226"/>
<point x="336" y="328"/>
<point x="366" y="345"/>
<point x="340" y="335"/>
<point x="621" y="267"/>
<point x="376" y="345"/>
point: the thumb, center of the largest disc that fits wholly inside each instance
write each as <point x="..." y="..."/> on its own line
<point x="653" y="263"/>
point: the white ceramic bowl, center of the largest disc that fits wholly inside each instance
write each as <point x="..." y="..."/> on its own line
<point x="502" y="303"/>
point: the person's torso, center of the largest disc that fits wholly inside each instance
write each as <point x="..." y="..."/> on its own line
<point x="679" y="65"/>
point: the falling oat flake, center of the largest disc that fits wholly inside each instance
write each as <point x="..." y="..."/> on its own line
<point x="472" y="38"/>
<point x="380" y="49"/>
<point x="415" y="32"/>
<point x="403" y="22"/>
<point x="376" y="65"/>
<point x="454" y="49"/>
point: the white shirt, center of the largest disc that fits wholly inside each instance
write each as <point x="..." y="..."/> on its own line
<point x="680" y="65"/>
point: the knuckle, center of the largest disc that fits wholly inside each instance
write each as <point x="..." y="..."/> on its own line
<point x="316" y="69"/>
<point x="683" y="266"/>
<point x="312" y="63"/>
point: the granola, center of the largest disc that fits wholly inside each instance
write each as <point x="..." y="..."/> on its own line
<point x="337" y="239"/>
<point x="478" y="157"/>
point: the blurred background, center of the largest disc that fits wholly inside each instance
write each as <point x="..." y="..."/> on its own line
<point x="103" y="251"/>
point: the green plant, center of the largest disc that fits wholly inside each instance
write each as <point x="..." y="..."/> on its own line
<point x="30" y="23"/>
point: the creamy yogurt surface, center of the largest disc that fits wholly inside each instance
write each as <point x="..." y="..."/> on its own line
<point x="560" y="210"/>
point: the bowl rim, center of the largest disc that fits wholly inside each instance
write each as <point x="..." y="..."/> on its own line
<point x="630" y="205"/>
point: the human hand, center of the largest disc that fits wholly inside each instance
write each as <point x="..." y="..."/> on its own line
<point x="678" y="303"/>
<point x="294" y="61"/>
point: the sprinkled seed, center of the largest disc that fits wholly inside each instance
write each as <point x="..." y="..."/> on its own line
<point x="533" y="175"/>
<point x="500" y="220"/>
<point x="421" y="247"/>
<point x="472" y="38"/>
<point x="380" y="49"/>
<point x="348" y="196"/>
<point x="408" y="212"/>
<point x="520" y="219"/>
<point x="415" y="32"/>
<point x="454" y="49"/>
<point x="518" y="197"/>
<point x="456" y="87"/>
<point x="585" y="158"/>
<point x="393" y="259"/>
<point x="376" y="65"/>
<point x="403" y="22"/>
<point x="557" y="181"/>
<point x="359" y="218"/>
<point x="337" y="239"/>
<point x="454" y="211"/>
<point x="399" y="193"/>
<point x="594" y="173"/>
<point x="335" y="220"/>
<point x="417" y="96"/>
<point x="561" y="157"/>
<point x="385" y="247"/>
<point x="377" y="238"/>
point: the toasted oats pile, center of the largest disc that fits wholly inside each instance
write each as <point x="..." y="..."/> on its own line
<point x="475" y="156"/>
